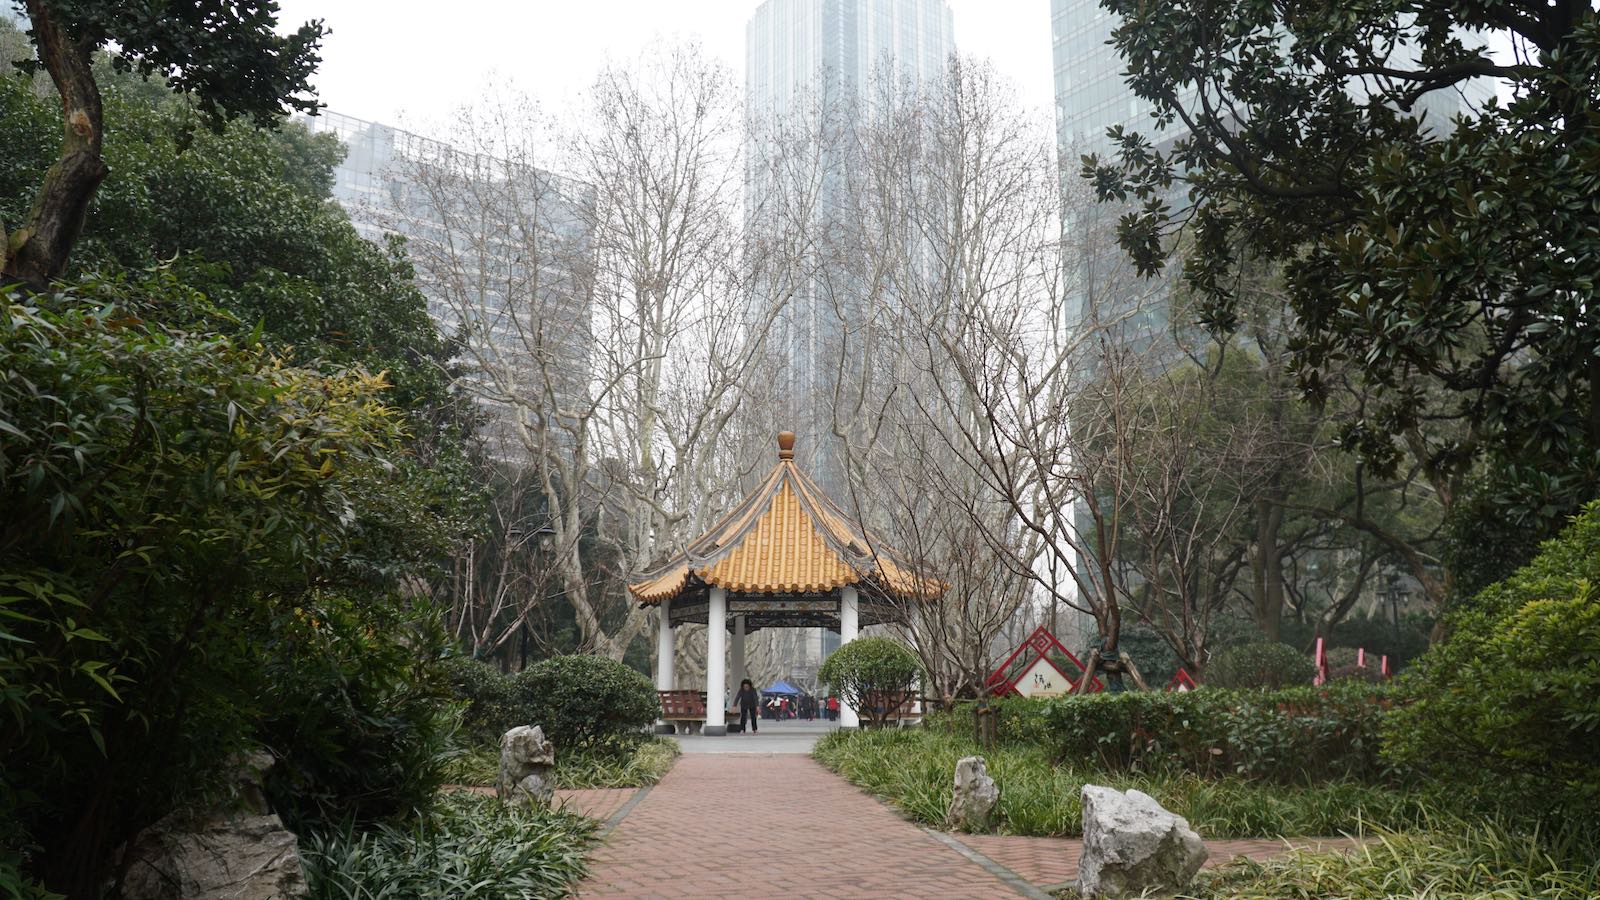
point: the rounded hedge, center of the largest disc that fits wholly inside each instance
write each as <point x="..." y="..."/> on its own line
<point x="871" y="674"/>
<point x="1502" y="715"/>
<point x="586" y="702"/>
<point x="1266" y="664"/>
<point x="491" y="707"/>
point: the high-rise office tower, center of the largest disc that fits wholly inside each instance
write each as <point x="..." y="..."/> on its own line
<point x="472" y="223"/>
<point x="1092" y="93"/>
<point x="823" y="59"/>
<point x="820" y="62"/>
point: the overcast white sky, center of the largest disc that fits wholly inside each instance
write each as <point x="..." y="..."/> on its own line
<point x="410" y="62"/>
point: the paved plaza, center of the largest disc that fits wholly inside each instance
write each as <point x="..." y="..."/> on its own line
<point x="777" y="824"/>
<point x="792" y="736"/>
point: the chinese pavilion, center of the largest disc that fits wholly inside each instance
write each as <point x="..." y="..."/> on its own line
<point x="785" y="556"/>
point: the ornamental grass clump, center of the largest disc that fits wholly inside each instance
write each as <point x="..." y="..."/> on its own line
<point x="645" y="764"/>
<point x="467" y="847"/>
<point x="913" y="770"/>
<point x="1448" y="859"/>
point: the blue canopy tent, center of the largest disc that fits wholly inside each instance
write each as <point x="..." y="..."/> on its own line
<point x="783" y="687"/>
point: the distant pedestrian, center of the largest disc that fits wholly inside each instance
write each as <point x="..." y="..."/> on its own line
<point x="833" y="709"/>
<point x="749" y="702"/>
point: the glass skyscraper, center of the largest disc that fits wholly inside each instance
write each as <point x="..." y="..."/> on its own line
<point x="1092" y="93"/>
<point x="802" y="56"/>
<point x="1091" y="90"/>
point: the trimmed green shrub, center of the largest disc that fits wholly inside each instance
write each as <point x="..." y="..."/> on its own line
<point x="1018" y="720"/>
<point x="1286" y="736"/>
<point x="586" y="702"/>
<point x="467" y="847"/>
<point x="872" y="674"/>
<point x="1505" y="713"/>
<point x="490" y="701"/>
<point x="1266" y="664"/>
<point x="1021" y="720"/>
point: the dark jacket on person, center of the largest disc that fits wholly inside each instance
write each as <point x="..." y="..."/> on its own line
<point x="748" y="698"/>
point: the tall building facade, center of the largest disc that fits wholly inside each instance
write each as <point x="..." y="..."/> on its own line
<point x="824" y="57"/>
<point x="501" y="252"/>
<point x="1091" y="89"/>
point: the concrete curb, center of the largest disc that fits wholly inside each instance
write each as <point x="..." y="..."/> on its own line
<point x="1019" y="884"/>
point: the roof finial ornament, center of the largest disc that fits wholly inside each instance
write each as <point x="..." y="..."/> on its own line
<point x="786" y="445"/>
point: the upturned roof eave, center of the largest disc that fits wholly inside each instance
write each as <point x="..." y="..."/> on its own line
<point x="851" y="545"/>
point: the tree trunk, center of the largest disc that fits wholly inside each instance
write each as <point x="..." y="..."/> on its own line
<point x="38" y="251"/>
<point x="1110" y="617"/>
<point x="1266" y="569"/>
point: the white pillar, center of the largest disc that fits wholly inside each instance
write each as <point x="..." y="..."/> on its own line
<point x="716" y="662"/>
<point x="849" y="628"/>
<point x="665" y="656"/>
<point x="913" y="619"/>
<point x="740" y="670"/>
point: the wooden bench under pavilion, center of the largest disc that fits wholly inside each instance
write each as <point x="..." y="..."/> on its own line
<point x="786" y="556"/>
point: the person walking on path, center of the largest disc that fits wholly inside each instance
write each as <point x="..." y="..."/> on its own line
<point x="749" y="701"/>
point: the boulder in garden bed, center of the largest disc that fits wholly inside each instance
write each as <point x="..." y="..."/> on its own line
<point x="527" y="768"/>
<point x="976" y="796"/>
<point x="1132" y="846"/>
<point x="239" y="850"/>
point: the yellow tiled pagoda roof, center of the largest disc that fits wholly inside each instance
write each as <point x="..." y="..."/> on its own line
<point x="786" y="537"/>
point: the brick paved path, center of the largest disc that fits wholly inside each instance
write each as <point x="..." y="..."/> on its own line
<point x="596" y="803"/>
<point x="713" y="826"/>
<point x="1052" y="863"/>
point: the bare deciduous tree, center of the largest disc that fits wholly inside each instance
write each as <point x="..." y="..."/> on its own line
<point x="604" y="317"/>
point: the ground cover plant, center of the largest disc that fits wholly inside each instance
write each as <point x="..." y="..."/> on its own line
<point x="468" y="846"/>
<point x="642" y="765"/>
<point x="913" y="769"/>
<point x="1448" y="859"/>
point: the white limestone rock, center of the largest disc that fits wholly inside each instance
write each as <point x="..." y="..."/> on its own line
<point x="227" y="858"/>
<point x="527" y="768"/>
<point x="976" y="796"/>
<point x="1133" y="847"/>
<point x="236" y="851"/>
